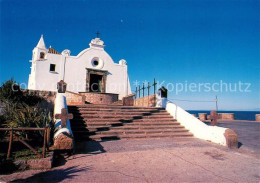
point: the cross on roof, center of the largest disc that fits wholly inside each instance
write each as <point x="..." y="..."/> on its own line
<point x="139" y="90"/>
<point x="64" y="116"/>
<point x="148" y="88"/>
<point x="97" y="34"/>
<point x="143" y="89"/>
<point x="154" y="82"/>
<point x="154" y="85"/>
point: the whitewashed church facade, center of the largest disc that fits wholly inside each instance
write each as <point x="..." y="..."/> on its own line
<point x="92" y="70"/>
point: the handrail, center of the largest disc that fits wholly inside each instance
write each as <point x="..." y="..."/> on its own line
<point x="46" y="138"/>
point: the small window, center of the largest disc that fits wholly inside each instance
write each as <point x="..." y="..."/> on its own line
<point x="42" y="55"/>
<point x="95" y="62"/>
<point x="52" y="67"/>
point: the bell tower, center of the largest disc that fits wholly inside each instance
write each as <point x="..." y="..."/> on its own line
<point x="40" y="51"/>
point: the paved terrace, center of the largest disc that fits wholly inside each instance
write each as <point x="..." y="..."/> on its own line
<point x="156" y="160"/>
<point x="248" y="134"/>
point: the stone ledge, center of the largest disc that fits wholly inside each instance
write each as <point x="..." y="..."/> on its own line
<point x="231" y="139"/>
<point x="63" y="142"/>
<point x="100" y="98"/>
<point x="147" y="101"/>
<point x="128" y="100"/>
<point x="36" y="164"/>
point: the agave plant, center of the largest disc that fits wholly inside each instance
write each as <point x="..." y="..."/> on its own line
<point x="23" y="115"/>
<point x="22" y="110"/>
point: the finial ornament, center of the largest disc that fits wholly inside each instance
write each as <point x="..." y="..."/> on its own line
<point x="97" y="42"/>
<point x="97" y="34"/>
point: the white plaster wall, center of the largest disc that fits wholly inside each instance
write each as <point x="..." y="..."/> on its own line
<point x="198" y="128"/>
<point x="76" y="72"/>
<point x="45" y="79"/>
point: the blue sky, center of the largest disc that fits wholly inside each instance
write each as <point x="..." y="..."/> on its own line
<point x="202" y="41"/>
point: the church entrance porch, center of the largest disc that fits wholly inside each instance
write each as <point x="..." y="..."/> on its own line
<point x="99" y="98"/>
<point x="96" y="81"/>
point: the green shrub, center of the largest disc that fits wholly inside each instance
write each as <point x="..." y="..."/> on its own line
<point x="23" y="115"/>
<point x="10" y="92"/>
<point x="22" y="110"/>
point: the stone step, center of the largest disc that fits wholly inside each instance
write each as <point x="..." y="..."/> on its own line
<point x="125" y="120"/>
<point x="110" y="107"/>
<point x="99" y="127"/>
<point x="122" y="121"/>
<point x="113" y="118"/>
<point x="91" y="113"/>
<point x="137" y="136"/>
<point x="114" y="110"/>
<point x="99" y="123"/>
<point x="123" y="116"/>
<point x="137" y="127"/>
<point x="160" y="123"/>
<point x="119" y="132"/>
<point x="120" y="113"/>
<point x="112" y="122"/>
<point x="129" y="132"/>
<point x="133" y="124"/>
<point x="104" y="128"/>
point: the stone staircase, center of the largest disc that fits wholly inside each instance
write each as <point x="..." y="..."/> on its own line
<point x="111" y="122"/>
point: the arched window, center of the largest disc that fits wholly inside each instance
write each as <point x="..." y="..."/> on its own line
<point x="42" y="55"/>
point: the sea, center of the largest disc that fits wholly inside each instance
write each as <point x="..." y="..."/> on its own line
<point x="239" y="115"/>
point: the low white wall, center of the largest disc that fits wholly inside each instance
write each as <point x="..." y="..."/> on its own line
<point x="60" y="102"/>
<point x="198" y="128"/>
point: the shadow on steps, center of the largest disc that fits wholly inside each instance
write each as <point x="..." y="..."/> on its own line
<point x="89" y="147"/>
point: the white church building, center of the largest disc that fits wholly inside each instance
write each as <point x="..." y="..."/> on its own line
<point x="91" y="71"/>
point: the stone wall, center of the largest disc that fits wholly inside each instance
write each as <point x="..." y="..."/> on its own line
<point x="228" y="116"/>
<point x="100" y="98"/>
<point x="48" y="96"/>
<point x="74" y="98"/>
<point x="257" y="117"/>
<point x="225" y="116"/>
<point x="147" y="101"/>
<point x="202" y="116"/>
<point x="128" y="100"/>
